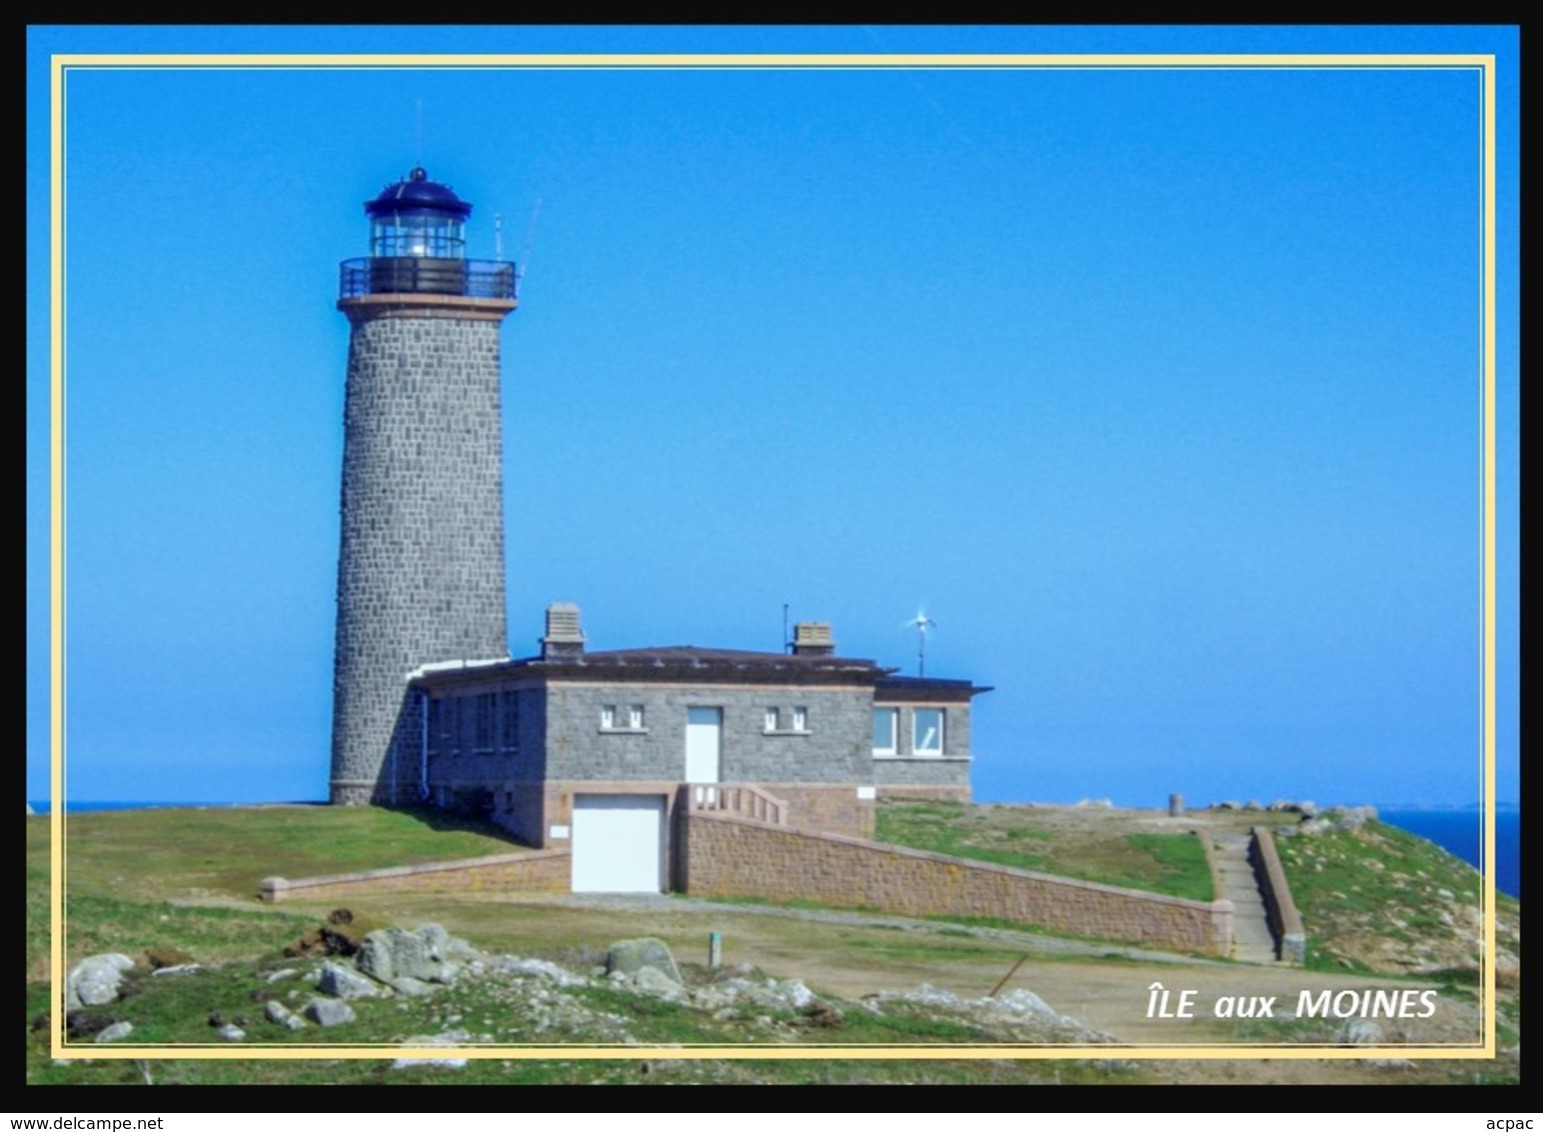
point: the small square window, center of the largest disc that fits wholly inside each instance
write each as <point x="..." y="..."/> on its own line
<point x="773" y="719"/>
<point x="635" y="717"/>
<point x="800" y="719"/>
<point x="608" y="716"/>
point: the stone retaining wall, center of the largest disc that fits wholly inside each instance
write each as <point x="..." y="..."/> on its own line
<point x="727" y="856"/>
<point x="1280" y="909"/>
<point x="545" y="870"/>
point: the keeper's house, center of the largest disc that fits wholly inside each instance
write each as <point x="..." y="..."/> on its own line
<point x="604" y="751"/>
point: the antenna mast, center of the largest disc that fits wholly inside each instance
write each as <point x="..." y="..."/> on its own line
<point x="922" y="623"/>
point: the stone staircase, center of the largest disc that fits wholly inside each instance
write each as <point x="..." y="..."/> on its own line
<point x="1252" y="941"/>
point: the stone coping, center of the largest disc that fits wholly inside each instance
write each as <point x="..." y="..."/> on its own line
<point x="427" y="868"/>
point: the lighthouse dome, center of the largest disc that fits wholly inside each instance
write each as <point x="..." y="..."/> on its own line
<point x="416" y="195"/>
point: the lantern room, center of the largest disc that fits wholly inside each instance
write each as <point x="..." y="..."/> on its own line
<point x="418" y="247"/>
<point x="418" y="217"/>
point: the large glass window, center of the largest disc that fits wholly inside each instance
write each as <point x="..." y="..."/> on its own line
<point x="929" y="731"/>
<point x="885" y="728"/>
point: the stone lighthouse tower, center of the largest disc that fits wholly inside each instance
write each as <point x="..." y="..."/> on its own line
<point x="421" y="567"/>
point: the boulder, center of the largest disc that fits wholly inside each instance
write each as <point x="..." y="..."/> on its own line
<point x="449" y="1038"/>
<point x="430" y="954"/>
<point x="1361" y="1032"/>
<point x="329" y="1011"/>
<point x="96" y="980"/>
<point x="343" y="982"/>
<point x="651" y="980"/>
<point x="281" y="1015"/>
<point x="115" y="1032"/>
<point x="629" y="956"/>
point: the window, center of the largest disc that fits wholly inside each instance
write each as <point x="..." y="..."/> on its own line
<point x="435" y="729"/>
<point x="800" y="719"/>
<point x="623" y="720"/>
<point x="486" y="721"/>
<point x="511" y="721"/>
<point x="885" y="726"/>
<point x="929" y="732"/>
<point x="773" y="719"/>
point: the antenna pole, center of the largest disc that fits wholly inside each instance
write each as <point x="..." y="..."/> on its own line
<point x="784" y="626"/>
<point x="418" y="137"/>
<point x="498" y="237"/>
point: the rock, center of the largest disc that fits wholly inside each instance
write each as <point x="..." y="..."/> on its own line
<point x="1361" y="1032"/>
<point x="410" y="986"/>
<point x="230" y="1032"/>
<point x="651" y="980"/>
<point x="281" y="1015"/>
<point x="84" y="1024"/>
<point x="95" y="981"/>
<point x="280" y="975"/>
<point x="341" y="934"/>
<point x="329" y="1011"/>
<point x="1095" y="804"/>
<point x="512" y="965"/>
<point x="1020" y="1001"/>
<point x="448" y="1038"/>
<point x="181" y="969"/>
<point x="343" y="982"/>
<point x="629" y="956"/>
<point x="430" y="953"/>
<point x="115" y="1032"/>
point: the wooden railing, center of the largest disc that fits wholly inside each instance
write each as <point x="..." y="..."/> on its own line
<point x="742" y="801"/>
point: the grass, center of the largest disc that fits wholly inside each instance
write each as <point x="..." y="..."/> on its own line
<point x="1044" y="841"/>
<point x="1377" y="896"/>
<point x="227" y="851"/>
<point x="219" y="923"/>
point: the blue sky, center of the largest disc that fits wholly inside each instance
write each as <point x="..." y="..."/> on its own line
<point x="1159" y="388"/>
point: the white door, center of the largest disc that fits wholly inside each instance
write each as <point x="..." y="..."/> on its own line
<point x="618" y="843"/>
<point x="704" y="736"/>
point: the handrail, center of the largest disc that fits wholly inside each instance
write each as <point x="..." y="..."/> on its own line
<point x="741" y="800"/>
<point x="423" y="275"/>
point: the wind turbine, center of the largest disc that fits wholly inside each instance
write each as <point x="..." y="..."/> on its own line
<point x="921" y="623"/>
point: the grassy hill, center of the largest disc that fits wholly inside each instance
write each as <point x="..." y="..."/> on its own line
<point x="187" y="879"/>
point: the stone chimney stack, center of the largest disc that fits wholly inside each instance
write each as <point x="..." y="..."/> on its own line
<point x="812" y="638"/>
<point x="563" y="637"/>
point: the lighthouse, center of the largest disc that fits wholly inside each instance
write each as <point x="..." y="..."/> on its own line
<point x="421" y="559"/>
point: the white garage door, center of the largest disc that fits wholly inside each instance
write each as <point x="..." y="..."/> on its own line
<point x="618" y="842"/>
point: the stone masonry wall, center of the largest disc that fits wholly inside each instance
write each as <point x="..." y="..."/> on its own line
<point x="547" y="870"/>
<point x="836" y="748"/>
<point x="421" y="565"/>
<point x="730" y="857"/>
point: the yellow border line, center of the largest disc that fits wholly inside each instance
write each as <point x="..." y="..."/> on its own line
<point x="1485" y="63"/>
<point x="671" y="61"/>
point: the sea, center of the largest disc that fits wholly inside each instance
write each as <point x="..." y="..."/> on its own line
<point x="1458" y="831"/>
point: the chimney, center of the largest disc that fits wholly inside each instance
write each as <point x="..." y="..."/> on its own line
<point x="812" y="638"/>
<point x="563" y="635"/>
